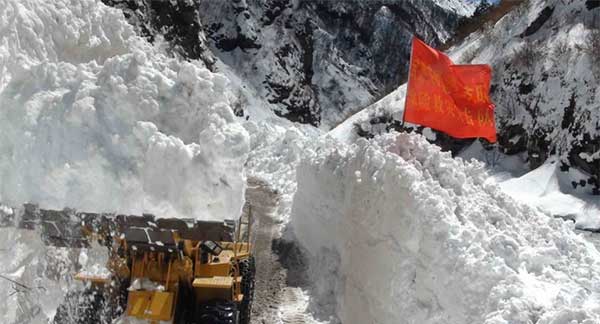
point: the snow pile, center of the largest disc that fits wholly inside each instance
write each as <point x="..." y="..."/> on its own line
<point x="94" y="118"/>
<point x="399" y="232"/>
<point x="546" y="107"/>
<point x="39" y="277"/>
<point x="552" y="191"/>
<point x="276" y="148"/>
<point x="391" y="106"/>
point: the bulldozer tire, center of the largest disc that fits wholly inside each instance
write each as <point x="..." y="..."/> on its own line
<point x="218" y="312"/>
<point x="80" y="307"/>
<point x="185" y="305"/>
<point x="247" y="270"/>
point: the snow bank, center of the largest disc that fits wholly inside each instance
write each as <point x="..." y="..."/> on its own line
<point x="392" y="105"/>
<point x="276" y="148"/>
<point x="94" y="118"/>
<point x="398" y="232"/>
<point x="553" y="192"/>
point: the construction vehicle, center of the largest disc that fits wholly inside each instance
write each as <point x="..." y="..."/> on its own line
<point x="159" y="270"/>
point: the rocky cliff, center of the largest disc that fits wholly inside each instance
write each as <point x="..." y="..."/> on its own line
<point x="311" y="61"/>
<point x="545" y="57"/>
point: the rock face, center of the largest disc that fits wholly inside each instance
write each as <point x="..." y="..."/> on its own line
<point x="547" y="86"/>
<point x="178" y="22"/>
<point x="545" y="57"/>
<point x="314" y="61"/>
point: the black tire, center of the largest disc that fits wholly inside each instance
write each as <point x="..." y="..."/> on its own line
<point x="80" y="307"/>
<point x="218" y="312"/>
<point x="184" y="310"/>
<point x="247" y="271"/>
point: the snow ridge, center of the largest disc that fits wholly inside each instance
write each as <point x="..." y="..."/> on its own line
<point x="400" y="232"/>
<point x="95" y="118"/>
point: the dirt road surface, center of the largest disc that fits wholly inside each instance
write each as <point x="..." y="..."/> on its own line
<point x="275" y="300"/>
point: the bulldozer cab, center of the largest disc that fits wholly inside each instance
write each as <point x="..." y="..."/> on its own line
<point x="157" y="267"/>
<point x="173" y="257"/>
<point x="170" y="270"/>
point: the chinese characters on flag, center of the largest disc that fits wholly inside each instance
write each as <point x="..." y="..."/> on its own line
<point x="450" y="98"/>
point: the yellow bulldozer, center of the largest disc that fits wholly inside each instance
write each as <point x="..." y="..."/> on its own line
<point x="159" y="270"/>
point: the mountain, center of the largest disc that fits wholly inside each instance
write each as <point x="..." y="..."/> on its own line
<point x="356" y="227"/>
<point x="310" y="61"/>
<point x="546" y="83"/>
<point x="544" y="58"/>
<point x="461" y="7"/>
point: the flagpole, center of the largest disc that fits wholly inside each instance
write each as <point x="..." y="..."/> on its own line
<point x="408" y="81"/>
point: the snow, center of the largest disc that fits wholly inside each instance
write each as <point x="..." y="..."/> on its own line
<point x="145" y="284"/>
<point x="461" y="7"/>
<point x="420" y="237"/>
<point x="556" y="76"/>
<point x="93" y="261"/>
<point x="552" y="191"/>
<point x="501" y="167"/>
<point x="392" y="104"/>
<point x="94" y="118"/>
<point x="97" y="119"/>
<point x="42" y="271"/>
<point x="276" y="148"/>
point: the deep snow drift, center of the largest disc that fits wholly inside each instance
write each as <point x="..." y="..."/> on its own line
<point x="550" y="190"/>
<point x="422" y="238"/>
<point x="94" y="118"/>
<point x="399" y="232"/>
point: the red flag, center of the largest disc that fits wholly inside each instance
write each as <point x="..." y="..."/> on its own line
<point x="450" y="98"/>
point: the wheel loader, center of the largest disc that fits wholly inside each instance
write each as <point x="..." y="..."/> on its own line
<point x="159" y="270"/>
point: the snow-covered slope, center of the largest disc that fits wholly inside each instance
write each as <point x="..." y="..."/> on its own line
<point x="551" y="190"/>
<point x="461" y="7"/>
<point x="93" y="117"/>
<point x="545" y="82"/>
<point x="311" y="61"/>
<point x="398" y="232"/>
<point x="375" y="119"/>
<point x="545" y="88"/>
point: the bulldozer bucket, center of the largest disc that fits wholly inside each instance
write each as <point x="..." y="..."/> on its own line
<point x="151" y="305"/>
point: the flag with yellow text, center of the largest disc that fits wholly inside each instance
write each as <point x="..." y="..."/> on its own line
<point x="450" y="98"/>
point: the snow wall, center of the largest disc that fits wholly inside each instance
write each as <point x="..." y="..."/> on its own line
<point x="398" y="232"/>
<point x="93" y="117"/>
